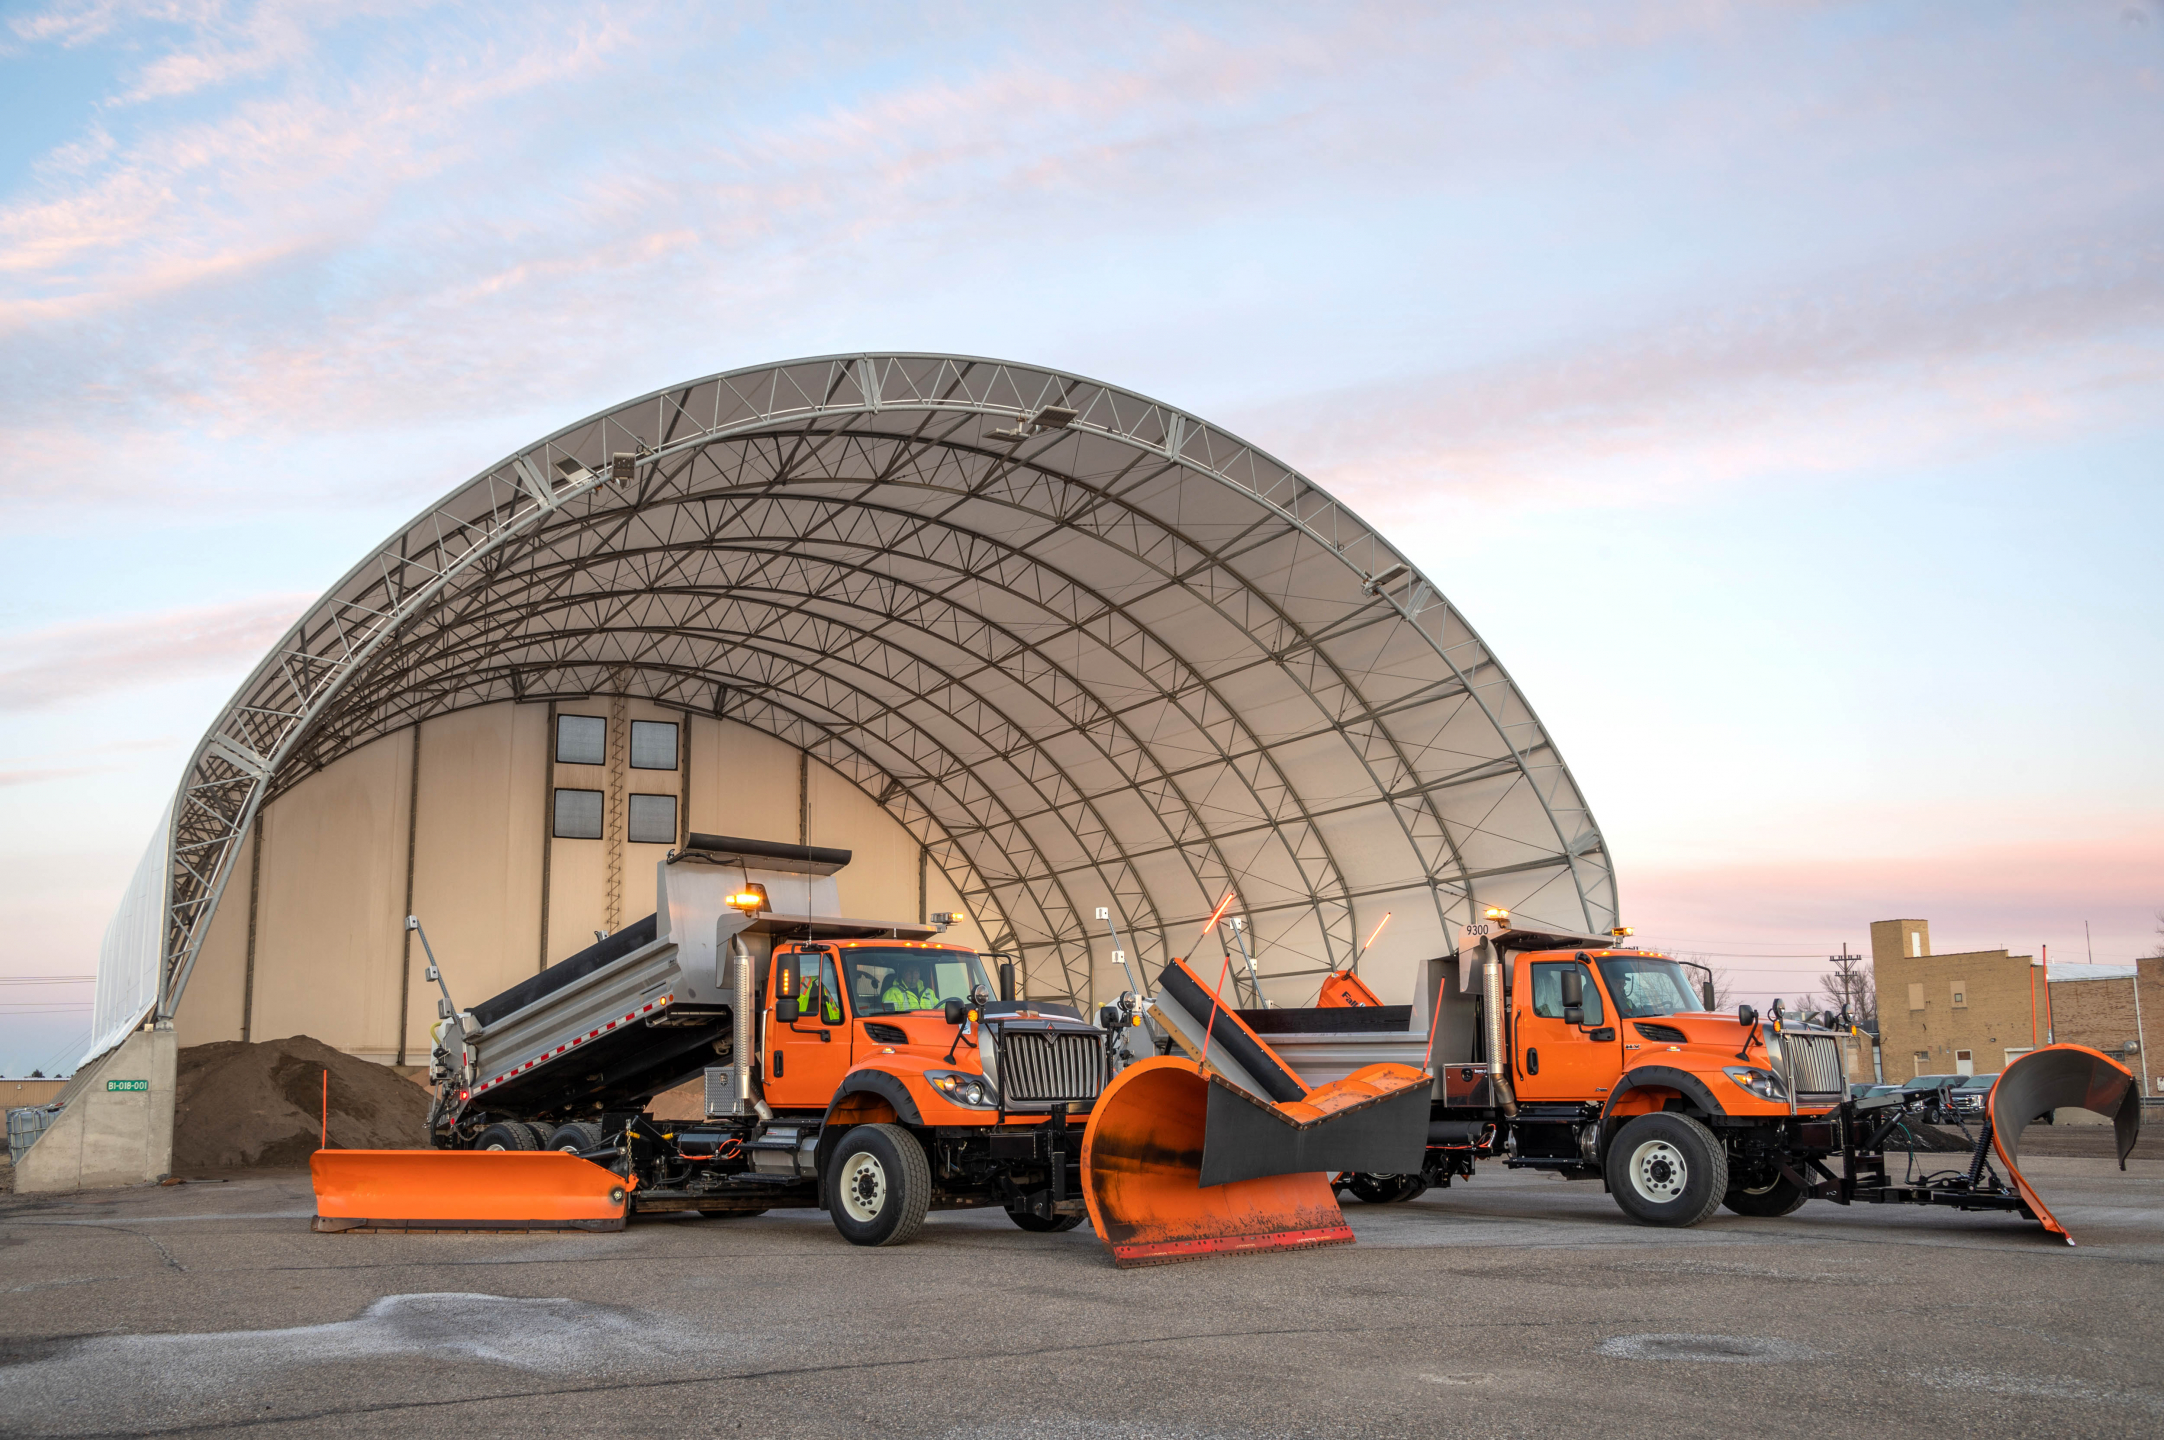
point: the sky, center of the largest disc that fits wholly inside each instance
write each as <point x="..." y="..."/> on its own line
<point x="1777" y="388"/>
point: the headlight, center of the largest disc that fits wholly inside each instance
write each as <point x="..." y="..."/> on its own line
<point x="963" y="1088"/>
<point x="1763" y="1083"/>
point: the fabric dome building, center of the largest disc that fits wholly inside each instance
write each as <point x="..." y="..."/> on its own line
<point x="1029" y="645"/>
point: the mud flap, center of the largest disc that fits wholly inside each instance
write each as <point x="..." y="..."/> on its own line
<point x="2052" y="1078"/>
<point x="370" y="1190"/>
<point x="1142" y="1178"/>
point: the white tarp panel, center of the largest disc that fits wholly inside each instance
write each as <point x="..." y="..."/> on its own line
<point x="128" y="957"/>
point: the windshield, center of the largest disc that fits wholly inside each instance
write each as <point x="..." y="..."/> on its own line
<point x="889" y="982"/>
<point x="1645" y="985"/>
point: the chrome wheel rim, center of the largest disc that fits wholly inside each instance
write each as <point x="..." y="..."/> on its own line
<point x="863" y="1187"/>
<point x="1658" y="1172"/>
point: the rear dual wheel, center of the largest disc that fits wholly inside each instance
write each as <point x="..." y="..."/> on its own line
<point x="1770" y="1200"/>
<point x="575" y="1138"/>
<point x="1037" y="1224"/>
<point x="1385" y="1189"/>
<point x="512" y="1135"/>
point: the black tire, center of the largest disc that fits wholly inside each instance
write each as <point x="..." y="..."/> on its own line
<point x="573" y="1138"/>
<point x="881" y="1186"/>
<point x="1667" y="1170"/>
<point x="1037" y="1224"/>
<point x="1781" y="1196"/>
<point x="1385" y="1189"/>
<point x="506" y="1135"/>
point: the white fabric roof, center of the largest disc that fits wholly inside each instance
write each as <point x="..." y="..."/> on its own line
<point x="1091" y="650"/>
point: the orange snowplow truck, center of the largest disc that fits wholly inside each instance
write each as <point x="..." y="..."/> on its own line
<point x="1572" y="1054"/>
<point x="867" y="1068"/>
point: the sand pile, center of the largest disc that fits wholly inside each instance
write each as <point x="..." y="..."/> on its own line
<point x="243" y="1104"/>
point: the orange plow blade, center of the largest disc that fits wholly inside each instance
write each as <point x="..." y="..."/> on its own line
<point x="1142" y="1179"/>
<point x="465" y="1190"/>
<point x="2056" y="1077"/>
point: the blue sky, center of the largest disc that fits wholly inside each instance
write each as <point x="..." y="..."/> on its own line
<point x="1776" y="387"/>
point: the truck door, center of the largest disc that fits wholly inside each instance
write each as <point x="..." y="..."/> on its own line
<point x="1559" y="1058"/>
<point x="807" y="1057"/>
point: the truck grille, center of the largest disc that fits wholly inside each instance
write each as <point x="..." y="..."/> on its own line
<point x="1812" y="1066"/>
<point x="1035" y="1066"/>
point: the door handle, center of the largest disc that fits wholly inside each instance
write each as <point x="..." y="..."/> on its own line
<point x="1532" y="1062"/>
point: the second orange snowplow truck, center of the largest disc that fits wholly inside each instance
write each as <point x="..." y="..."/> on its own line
<point x="1571" y="1054"/>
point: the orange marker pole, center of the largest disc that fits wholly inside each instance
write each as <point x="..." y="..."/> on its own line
<point x="326" y="1112"/>
<point x="1434" y="1020"/>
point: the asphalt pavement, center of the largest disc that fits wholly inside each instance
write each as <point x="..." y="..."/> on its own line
<point x="1515" y="1305"/>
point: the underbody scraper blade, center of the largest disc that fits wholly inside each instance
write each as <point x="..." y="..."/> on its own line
<point x="465" y="1190"/>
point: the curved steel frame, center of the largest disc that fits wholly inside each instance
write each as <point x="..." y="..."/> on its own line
<point x="1104" y="653"/>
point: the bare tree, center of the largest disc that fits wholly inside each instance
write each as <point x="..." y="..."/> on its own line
<point x="1852" y="984"/>
<point x="2156" y="951"/>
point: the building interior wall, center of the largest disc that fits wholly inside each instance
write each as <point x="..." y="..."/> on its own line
<point x="331" y="956"/>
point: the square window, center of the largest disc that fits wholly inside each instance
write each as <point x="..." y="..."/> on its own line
<point x="653" y="745"/>
<point x="1916" y="996"/>
<point x="653" y="819"/>
<point x="581" y="739"/>
<point x="1961" y="994"/>
<point x="578" y="815"/>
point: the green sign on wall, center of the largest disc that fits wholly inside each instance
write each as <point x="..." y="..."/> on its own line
<point x="127" y="1084"/>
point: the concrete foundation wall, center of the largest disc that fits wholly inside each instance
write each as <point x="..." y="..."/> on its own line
<point x="109" y="1137"/>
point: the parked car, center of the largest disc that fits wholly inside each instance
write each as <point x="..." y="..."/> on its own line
<point x="1969" y="1096"/>
<point x="1932" y="1092"/>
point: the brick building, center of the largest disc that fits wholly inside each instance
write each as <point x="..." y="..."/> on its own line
<point x="2110" y="1012"/>
<point x="1970" y="1013"/>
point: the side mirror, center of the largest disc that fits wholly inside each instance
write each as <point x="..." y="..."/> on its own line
<point x="1705" y="993"/>
<point x="1573" y="1014"/>
<point x="956" y="1011"/>
<point x="785" y="1010"/>
<point x="1108" y="1017"/>
<point x="1746" y="1016"/>
<point x="1573" y="988"/>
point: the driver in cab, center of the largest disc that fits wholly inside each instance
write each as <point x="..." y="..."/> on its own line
<point x="911" y="988"/>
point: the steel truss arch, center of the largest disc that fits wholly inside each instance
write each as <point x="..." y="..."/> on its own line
<point x="1144" y="654"/>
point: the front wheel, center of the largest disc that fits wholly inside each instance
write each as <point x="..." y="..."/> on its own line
<point x="881" y="1186"/>
<point x="1667" y="1169"/>
<point x="1781" y="1196"/>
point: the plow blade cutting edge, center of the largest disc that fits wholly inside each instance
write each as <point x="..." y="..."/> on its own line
<point x="2053" y="1078"/>
<point x="465" y="1190"/>
<point x="1227" y="1153"/>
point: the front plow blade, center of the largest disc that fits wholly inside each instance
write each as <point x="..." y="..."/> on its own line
<point x="1142" y="1159"/>
<point x="465" y="1190"/>
<point x="2052" y="1078"/>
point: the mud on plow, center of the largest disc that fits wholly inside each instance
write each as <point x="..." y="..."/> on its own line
<point x="875" y="1071"/>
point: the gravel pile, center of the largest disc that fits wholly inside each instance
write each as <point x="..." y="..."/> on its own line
<point x="242" y="1105"/>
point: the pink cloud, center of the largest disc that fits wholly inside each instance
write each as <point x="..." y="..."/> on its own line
<point x="2014" y="895"/>
<point x="43" y="668"/>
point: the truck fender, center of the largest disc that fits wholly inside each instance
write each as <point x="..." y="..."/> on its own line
<point x="1661" y="1077"/>
<point x="860" y="1082"/>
